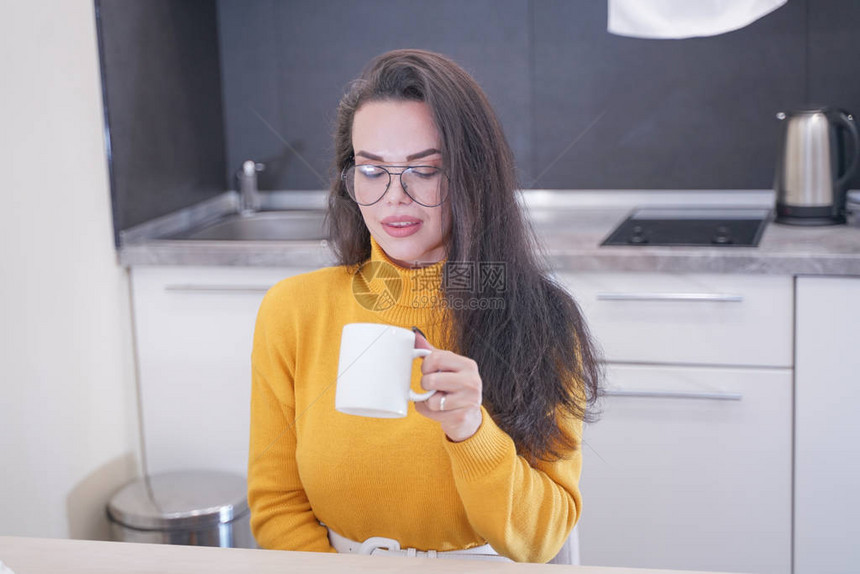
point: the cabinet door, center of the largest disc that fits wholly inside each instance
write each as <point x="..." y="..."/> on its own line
<point x="689" y="318"/>
<point x="827" y="441"/>
<point x="194" y="330"/>
<point x="690" y="468"/>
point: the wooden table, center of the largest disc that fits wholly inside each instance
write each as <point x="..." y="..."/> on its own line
<point x="43" y="555"/>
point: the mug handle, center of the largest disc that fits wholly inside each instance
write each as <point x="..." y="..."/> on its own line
<point x="848" y="122"/>
<point x="419" y="397"/>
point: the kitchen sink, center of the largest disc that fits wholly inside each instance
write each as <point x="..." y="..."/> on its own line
<point x="262" y="226"/>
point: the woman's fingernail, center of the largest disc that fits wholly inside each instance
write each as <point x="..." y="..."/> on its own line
<point x="419" y="331"/>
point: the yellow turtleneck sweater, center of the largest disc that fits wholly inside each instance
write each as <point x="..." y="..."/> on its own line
<point x="397" y="478"/>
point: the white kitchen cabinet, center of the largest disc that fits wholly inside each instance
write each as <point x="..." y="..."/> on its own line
<point x="827" y="441"/>
<point x="194" y="329"/>
<point x="689" y="318"/>
<point x="690" y="465"/>
<point x="690" y="468"/>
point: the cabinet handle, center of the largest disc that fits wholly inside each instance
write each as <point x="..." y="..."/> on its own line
<point x="674" y="395"/>
<point x="694" y="297"/>
<point x="192" y="288"/>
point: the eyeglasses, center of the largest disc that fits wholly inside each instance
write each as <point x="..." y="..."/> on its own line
<point x="426" y="185"/>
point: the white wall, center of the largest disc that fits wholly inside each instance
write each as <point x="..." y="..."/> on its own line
<point x="68" y="413"/>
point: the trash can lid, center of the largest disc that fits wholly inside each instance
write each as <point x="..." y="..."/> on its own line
<point x="180" y="500"/>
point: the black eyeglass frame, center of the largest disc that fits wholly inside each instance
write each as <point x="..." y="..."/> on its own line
<point x="404" y="169"/>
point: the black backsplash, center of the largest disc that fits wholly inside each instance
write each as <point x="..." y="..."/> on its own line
<point x="655" y="114"/>
<point x="286" y="65"/>
<point x="582" y="109"/>
<point x="161" y="78"/>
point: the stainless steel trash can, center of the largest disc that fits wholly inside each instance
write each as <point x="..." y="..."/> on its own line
<point x="196" y="508"/>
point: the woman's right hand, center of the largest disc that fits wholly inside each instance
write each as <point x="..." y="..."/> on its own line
<point x="456" y="405"/>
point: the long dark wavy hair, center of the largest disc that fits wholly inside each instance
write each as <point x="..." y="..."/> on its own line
<point x="535" y="355"/>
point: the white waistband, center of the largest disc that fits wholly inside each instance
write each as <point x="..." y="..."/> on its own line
<point x="377" y="545"/>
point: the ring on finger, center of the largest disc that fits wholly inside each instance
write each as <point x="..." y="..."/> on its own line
<point x="442" y="403"/>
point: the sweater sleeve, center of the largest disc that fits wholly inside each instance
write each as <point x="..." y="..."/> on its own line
<point x="525" y="512"/>
<point x="281" y="515"/>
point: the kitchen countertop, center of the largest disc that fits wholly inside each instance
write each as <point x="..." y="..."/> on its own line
<point x="571" y="225"/>
<point x="36" y="556"/>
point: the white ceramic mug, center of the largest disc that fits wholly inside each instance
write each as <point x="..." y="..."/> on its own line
<point x="374" y="373"/>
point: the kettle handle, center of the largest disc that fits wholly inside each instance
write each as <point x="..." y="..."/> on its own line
<point x="849" y="124"/>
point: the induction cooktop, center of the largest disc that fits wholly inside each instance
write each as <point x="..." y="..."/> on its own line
<point x="710" y="227"/>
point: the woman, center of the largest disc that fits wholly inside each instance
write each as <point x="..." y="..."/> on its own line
<point x="429" y="235"/>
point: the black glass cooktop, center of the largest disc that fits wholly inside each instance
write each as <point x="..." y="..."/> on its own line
<point x="740" y="227"/>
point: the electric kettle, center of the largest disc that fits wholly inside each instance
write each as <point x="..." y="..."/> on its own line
<point x="813" y="172"/>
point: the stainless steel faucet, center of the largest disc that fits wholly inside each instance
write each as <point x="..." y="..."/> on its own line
<point x="249" y="195"/>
